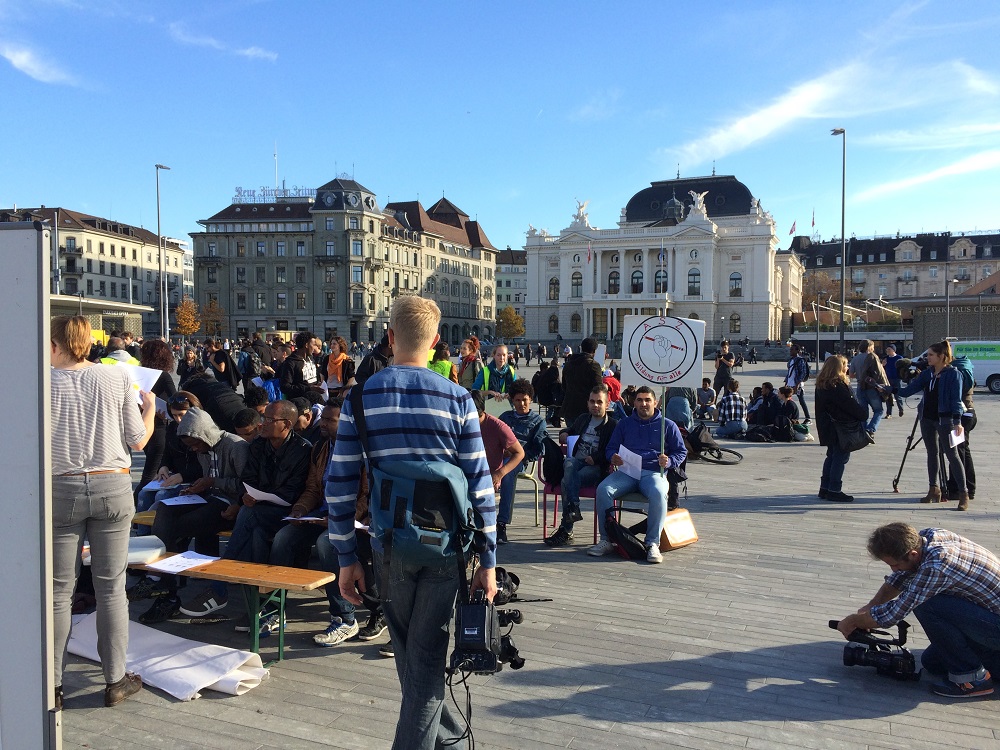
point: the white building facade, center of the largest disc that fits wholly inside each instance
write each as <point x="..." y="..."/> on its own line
<point x="700" y="248"/>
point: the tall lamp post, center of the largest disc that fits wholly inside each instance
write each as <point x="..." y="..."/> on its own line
<point x="722" y="329"/>
<point x="164" y="323"/>
<point x="843" y="237"/>
<point x="947" y="306"/>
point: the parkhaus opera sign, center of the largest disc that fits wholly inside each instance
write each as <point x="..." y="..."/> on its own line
<point x="962" y="309"/>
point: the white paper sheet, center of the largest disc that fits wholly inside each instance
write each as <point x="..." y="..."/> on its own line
<point x="258" y="382"/>
<point x="304" y="518"/>
<point x="571" y="441"/>
<point x="183" y="500"/>
<point x="955" y="439"/>
<point x="264" y="497"/>
<point x="143" y="378"/>
<point x="601" y="354"/>
<point x="183" y="561"/>
<point x="156" y="484"/>
<point x="632" y="462"/>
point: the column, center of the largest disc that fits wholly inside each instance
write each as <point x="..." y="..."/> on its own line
<point x="597" y="271"/>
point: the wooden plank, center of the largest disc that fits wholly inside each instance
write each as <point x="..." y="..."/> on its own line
<point x="255" y="574"/>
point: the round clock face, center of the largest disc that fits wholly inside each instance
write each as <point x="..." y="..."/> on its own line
<point x="664" y="349"/>
<point x="694" y="255"/>
<point x="353" y="199"/>
<point x="328" y="199"/>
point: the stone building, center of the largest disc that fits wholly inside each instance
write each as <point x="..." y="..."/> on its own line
<point x="699" y="248"/>
<point x="512" y="280"/>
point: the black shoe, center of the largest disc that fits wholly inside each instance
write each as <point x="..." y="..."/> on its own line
<point x="375" y="627"/>
<point x="822" y="494"/>
<point x="501" y="533"/>
<point x="572" y="512"/>
<point x="871" y="436"/>
<point x="839" y="497"/>
<point x="560" y="538"/>
<point x="146" y="588"/>
<point x="900" y="411"/>
<point x="807" y="421"/>
<point x="163" y="609"/>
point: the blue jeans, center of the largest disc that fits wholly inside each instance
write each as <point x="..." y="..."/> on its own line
<point x="255" y="527"/>
<point x="833" y="468"/>
<point x="869" y="397"/>
<point x="419" y="607"/>
<point x="895" y="393"/>
<point x="507" y="487"/>
<point x="802" y="401"/>
<point x="654" y="487"/>
<point x="149" y="498"/>
<point x="732" y="427"/>
<point x="293" y="542"/>
<point x="576" y="474"/>
<point x="963" y="636"/>
<point x="330" y="562"/>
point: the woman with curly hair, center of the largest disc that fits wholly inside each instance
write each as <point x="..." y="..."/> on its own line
<point x="470" y="364"/>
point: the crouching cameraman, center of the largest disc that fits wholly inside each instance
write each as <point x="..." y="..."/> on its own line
<point x="952" y="586"/>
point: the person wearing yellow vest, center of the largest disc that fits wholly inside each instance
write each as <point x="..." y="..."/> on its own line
<point x="441" y="363"/>
<point x="116" y="353"/>
<point x="497" y="376"/>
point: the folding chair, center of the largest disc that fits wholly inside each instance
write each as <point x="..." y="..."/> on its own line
<point x="529" y="475"/>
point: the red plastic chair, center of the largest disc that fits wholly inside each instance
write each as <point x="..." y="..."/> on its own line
<point x="555" y="491"/>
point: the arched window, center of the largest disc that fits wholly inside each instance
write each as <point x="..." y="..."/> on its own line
<point x="694" y="283"/>
<point x="488" y="293"/>
<point x="637" y="282"/>
<point x="465" y="289"/>
<point x="431" y="285"/>
<point x="456" y="334"/>
<point x="554" y="289"/>
<point x="444" y="333"/>
<point x="694" y="316"/>
<point x="553" y="324"/>
<point x="614" y="282"/>
<point x="735" y="285"/>
<point x="576" y="258"/>
<point x="575" y="323"/>
<point x="488" y="331"/>
<point x="455" y="289"/>
<point x="475" y="291"/>
<point x="660" y="284"/>
<point x="734" y="323"/>
<point x="444" y="288"/>
<point x="576" y="285"/>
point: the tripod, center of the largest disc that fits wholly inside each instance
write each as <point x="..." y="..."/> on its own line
<point x="910" y="445"/>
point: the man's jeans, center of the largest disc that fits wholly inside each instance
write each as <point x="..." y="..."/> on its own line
<point x="255" y="527"/>
<point x="576" y="474"/>
<point x="836" y="460"/>
<point x="802" y="401"/>
<point x="870" y="397"/>
<point x="963" y="637"/>
<point x="732" y="427"/>
<point x="330" y="562"/>
<point x="419" y="607"/>
<point x="895" y="384"/>
<point x="507" y="487"/>
<point x="147" y="499"/>
<point x="654" y="487"/>
<point x="293" y="543"/>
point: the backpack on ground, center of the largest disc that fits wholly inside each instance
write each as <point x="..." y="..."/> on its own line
<point x="420" y="509"/>
<point x="782" y="431"/>
<point x="699" y="438"/>
<point x="625" y="538"/>
<point x="760" y="433"/>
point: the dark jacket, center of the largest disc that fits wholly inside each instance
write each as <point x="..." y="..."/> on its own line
<point x="604" y="433"/>
<point x="542" y="383"/>
<point x="291" y="375"/>
<point x="218" y="399"/>
<point x="230" y="450"/>
<point x="769" y="408"/>
<point x="581" y="375"/>
<point x="263" y="351"/>
<point x="282" y="472"/>
<point x="836" y="403"/>
<point x="185" y="371"/>
<point x="371" y="364"/>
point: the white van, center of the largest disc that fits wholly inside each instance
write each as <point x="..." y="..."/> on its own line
<point x="985" y="358"/>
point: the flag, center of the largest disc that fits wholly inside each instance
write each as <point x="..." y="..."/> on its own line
<point x="589" y="251"/>
<point x="814" y="218"/>
<point x="792" y="230"/>
<point x="662" y="254"/>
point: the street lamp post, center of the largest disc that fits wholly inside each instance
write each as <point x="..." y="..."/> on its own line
<point x="947" y="306"/>
<point x="843" y="239"/>
<point x="722" y="329"/>
<point x="980" y="315"/>
<point x="164" y="323"/>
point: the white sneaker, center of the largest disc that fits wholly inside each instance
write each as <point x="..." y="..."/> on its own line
<point x="603" y="547"/>
<point x="338" y="632"/>
<point x="653" y="554"/>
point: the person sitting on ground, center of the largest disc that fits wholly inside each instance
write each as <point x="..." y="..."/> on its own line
<point x="504" y="453"/>
<point x="587" y="462"/>
<point x="529" y="429"/>
<point x="706" y="401"/>
<point x="641" y="433"/>
<point x="769" y="406"/>
<point x="441" y="362"/>
<point x="247" y="424"/>
<point x="952" y="586"/>
<point x="732" y="412"/>
<point x="680" y="407"/>
<point x="788" y="408"/>
<point x="222" y="456"/>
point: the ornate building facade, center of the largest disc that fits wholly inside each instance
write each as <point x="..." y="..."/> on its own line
<point x="699" y="248"/>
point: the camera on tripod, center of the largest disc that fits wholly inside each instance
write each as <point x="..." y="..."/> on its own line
<point x="886" y="654"/>
<point x="480" y="646"/>
<point x="908" y="369"/>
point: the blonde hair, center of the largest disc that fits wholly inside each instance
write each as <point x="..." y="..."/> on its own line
<point x="72" y="335"/>
<point x="414" y="322"/>
<point x="834" y="369"/>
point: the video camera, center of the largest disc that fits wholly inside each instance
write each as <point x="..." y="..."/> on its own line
<point x="887" y="655"/>
<point x="908" y="369"/>
<point x="480" y="647"/>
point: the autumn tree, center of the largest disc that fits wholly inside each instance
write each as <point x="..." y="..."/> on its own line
<point x="509" y="323"/>
<point x="186" y="317"/>
<point x="211" y="317"/>
<point x="819" y="286"/>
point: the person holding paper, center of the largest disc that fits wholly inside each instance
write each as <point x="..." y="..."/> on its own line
<point x="586" y="461"/>
<point x="643" y="432"/>
<point x="156" y="355"/>
<point x="940" y="417"/>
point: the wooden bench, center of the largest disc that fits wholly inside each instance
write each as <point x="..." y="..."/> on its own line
<point x="146" y="518"/>
<point x="274" y="581"/>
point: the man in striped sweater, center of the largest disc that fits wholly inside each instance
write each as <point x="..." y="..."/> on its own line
<point x="412" y="413"/>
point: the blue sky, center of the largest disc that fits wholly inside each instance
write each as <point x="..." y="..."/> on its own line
<point x="511" y="112"/>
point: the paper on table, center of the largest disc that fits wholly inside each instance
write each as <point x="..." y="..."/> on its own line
<point x="265" y="497"/>
<point x="632" y="463"/>
<point x="183" y="561"/>
<point x="183" y="500"/>
<point x="143" y="378"/>
<point x="571" y="444"/>
<point x="954" y="439"/>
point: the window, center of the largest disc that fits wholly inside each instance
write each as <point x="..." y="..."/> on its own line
<point x="353" y="223"/>
<point x="331" y="301"/>
<point x="330" y="276"/>
<point x="331" y="248"/>
<point x="213" y="276"/>
<point x="300" y="300"/>
<point x="102" y="289"/>
<point x="261" y="301"/>
<point x="300" y="249"/>
<point x="735" y="285"/>
<point x="857" y="258"/>
<point x="241" y="300"/>
<point x="261" y="249"/>
<point x="90" y="287"/>
<point x="241" y="275"/>
<point x="149" y="275"/>
<point x="575" y="323"/>
<point x="987" y="251"/>
<point x="576" y="258"/>
<point x="329" y="223"/>
<point x="553" y="324"/>
<point x="694" y="283"/>
<point x="637" y="257"/>
<point x="908" y="255"/>
<point x="933" y="255"/>
<point x="371" y="227"/>
<point x="300" y="274"/>
<point x="660" y="282"/>
<point x="101" y="267"/>
<point x="858" y="276"/>
<point x="212" y="250"/>
<point x="576" y="285"/>
<point x="881" y="257"/>
<point x="114" y="288"/>
<point x="819" y="261"/>
<point x="100" y="248"/>
<point x="279" y="275"/>
<point x="357" y="301"/>
<point x="882" y="290"/>
<point x="871" y="257"/>
<point x="614" y="282"/>
<point x="260" y="274"/>
<point x="356" y="277"/>
<point x="241" y="250"/>
<point x="734" y="323"/>
<point x="933" y="272"/>
<point x="356" y="249"/>
<point x="279" y="249"/>
<point x="281" y="301"/>
<point x="637" y="282"/>
<point x="90" y="265"/>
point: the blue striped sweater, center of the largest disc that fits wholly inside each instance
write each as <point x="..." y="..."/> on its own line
<point x="411" y="412"/>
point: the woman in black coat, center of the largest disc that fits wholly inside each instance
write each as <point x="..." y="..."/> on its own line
<point x="156" y="355"/>
<point x="834" y="400"/>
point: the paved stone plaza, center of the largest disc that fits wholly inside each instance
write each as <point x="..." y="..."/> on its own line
<point x="725" y="644"/>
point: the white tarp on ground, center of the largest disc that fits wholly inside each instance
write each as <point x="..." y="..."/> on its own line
<point x="175" y="665"/>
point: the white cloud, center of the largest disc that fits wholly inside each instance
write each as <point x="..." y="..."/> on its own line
<point x="31" y="64"/>
<point x="601" y="106"/>
<point x="934" y="137"/>
<point x="180" y="34"/>
<point x="982" y="162"/>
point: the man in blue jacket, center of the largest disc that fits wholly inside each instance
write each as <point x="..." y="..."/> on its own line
<point x="640" y="433"/>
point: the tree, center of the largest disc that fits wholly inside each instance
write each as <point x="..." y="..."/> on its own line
<point x="186" y="320"/>
<point x="819" y="286"/>
<point x="211" y="317"/>
<point x="509" y="324"/>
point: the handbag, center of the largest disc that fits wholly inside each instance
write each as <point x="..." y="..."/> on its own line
<point x="851" y="434"/>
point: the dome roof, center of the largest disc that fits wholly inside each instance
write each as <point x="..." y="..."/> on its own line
<point x="726" y="196"/>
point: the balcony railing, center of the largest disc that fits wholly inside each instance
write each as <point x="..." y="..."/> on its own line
<point x="71" y="250"/>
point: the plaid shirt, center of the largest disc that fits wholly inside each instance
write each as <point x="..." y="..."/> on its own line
<point x="950" y="565"/>
<point x="732" y="408"/>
